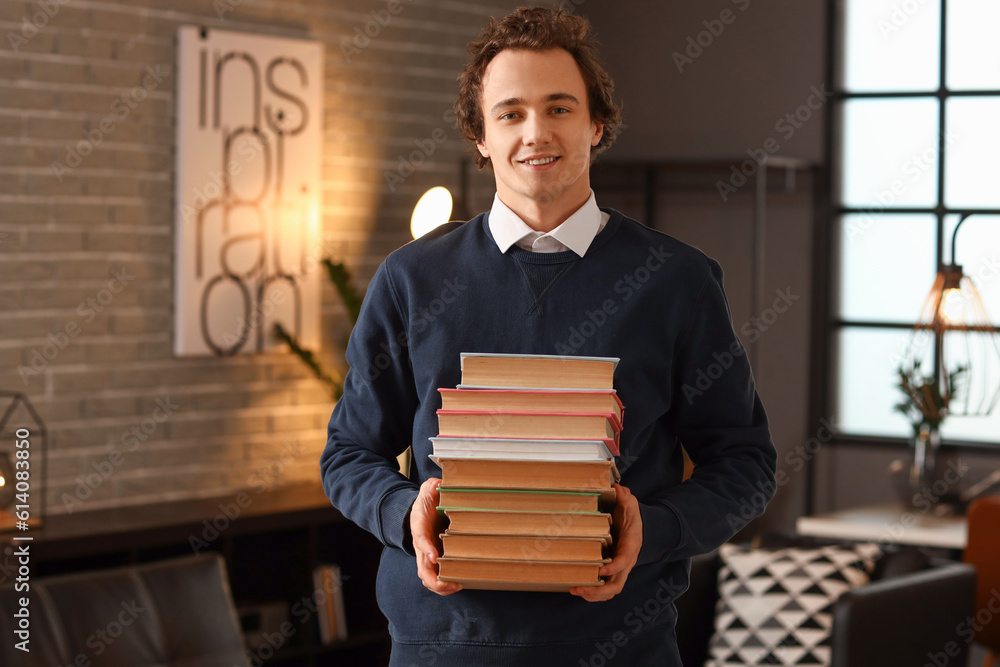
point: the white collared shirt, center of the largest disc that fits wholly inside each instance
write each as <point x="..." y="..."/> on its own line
<point x="576" y="233"/>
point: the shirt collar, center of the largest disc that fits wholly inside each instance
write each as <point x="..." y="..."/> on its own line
<point x="577" y="232"/>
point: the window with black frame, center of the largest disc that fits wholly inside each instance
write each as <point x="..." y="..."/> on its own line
<point x="917" y="135"/>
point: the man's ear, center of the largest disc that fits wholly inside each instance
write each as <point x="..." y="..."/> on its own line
<point x="598" y="133"/>
<point x="482" y="148"/>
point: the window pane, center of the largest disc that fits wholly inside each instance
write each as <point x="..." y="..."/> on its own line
<point x="890" y="153"/>
<point x="888" y="48"/>
<point x="981" y="429"/>
<point x="887" y="266"/>
<point x="866" y="389"/>
<point x="971" y="147"/>
<point x="973" y="49"/>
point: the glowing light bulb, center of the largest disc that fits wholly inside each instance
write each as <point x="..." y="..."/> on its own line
<point x="432" y="210"/>
<point x="952" y="306"/>
<point x="7" y="491"/>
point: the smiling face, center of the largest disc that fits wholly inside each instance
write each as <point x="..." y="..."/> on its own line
<point x="538" y="133"/>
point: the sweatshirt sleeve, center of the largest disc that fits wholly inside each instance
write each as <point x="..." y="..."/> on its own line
<point x="718" y="418"/>
<point x="372" y="422"/>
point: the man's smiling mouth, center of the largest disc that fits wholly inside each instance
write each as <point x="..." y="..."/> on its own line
<point x="535" y="162"/>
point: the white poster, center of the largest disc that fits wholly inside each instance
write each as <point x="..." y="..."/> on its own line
<point x="248" y="198"/>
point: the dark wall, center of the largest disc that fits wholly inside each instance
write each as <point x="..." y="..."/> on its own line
<point x="714" y="102"/>
<point x="684" y="100"/>
<point x="734" y="96"/>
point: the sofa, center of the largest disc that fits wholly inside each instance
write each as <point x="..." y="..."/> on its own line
<point x="172" y="613"/>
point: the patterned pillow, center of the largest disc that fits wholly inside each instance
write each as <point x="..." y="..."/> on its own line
<point x="776" y="607"/>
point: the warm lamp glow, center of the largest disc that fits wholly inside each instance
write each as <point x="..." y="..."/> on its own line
<point x="432" y="210"/>
<point x="956" y="334"/>
<point x="6" y="491"/>
<point x="953" y="306"/>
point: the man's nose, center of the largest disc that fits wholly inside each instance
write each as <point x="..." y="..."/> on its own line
<point x="537" y="130"/>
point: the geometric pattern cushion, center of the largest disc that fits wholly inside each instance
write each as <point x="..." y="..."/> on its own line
<point x="776" y="606"/>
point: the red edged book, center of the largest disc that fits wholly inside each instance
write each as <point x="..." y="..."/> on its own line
<point x="533" y="400"/>
<point x="603" y="426"/>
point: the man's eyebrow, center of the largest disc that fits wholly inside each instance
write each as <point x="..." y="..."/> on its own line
<point x="515" y="101"/>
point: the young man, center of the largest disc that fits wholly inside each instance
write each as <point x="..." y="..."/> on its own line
<point x="542" y="267"/>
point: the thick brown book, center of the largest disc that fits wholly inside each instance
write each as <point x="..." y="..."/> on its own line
<point x="529" y="475"/>
<point x="537" y="371"/>
<point x="518" y="575"/>
<point x="532" y="400"/>
<point x="555" y="425"/>
<point x="520" y="547"/>
<point x="505" y="499"/>
<point x="516" y="522"/>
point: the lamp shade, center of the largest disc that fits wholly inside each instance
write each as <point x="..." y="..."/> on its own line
<point x="955" y="331"/>
<point x="22" y="448"/>
<point x="433" y="209"/>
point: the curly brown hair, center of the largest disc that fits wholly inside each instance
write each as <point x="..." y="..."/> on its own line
<point x="536" y="29"/>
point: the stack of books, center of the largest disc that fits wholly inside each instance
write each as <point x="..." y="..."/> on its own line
<point x="526" y="447"/>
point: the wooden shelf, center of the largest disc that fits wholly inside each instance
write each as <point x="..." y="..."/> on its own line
<point x="305" y="502"/>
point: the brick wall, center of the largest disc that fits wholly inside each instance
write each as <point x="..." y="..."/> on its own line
<point x="86" y="295"/>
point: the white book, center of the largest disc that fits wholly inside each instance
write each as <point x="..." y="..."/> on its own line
<point x="525" y="449"/>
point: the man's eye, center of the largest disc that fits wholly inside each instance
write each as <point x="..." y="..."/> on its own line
<point x="508" y="116"/>
<point x="560" y="110"/>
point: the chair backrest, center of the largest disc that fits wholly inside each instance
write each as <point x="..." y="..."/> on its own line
<point x="696" y="609"/>
<point x="174" y="612"/>
<point x="983" y="552"/>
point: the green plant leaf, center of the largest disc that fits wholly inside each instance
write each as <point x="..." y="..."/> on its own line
<point x="336" y="385"/>
<point x="924" y="404"/>
<point x="341" y="279"/>
<point x="351" y="298"/>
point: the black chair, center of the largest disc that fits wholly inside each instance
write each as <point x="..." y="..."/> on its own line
<point x="167" y="614"/>
<point x="910" y="610"/>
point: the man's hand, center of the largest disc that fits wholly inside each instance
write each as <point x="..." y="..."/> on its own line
<point x="627" y="528"/>
<point x="426" y="526"/>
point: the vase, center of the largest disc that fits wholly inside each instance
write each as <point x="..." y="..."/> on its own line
<point x="926" y="445"/>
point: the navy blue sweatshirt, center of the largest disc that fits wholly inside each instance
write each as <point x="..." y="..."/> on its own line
<point x="637" y="294"/>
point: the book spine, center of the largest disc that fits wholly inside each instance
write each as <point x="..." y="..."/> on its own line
<point x="329" y="603"/>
